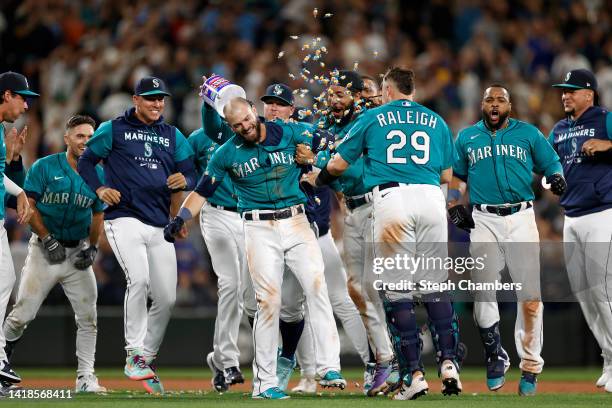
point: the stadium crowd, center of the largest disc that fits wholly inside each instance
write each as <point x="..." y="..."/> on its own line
<point x="84" y="57"/>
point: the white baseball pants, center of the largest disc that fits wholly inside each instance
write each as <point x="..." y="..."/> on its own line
<point x="38" y="277"/>
<point x="588" y="257"/>
<point x="7" y="280"/>
<point x="270" y="245"/>
<point x="512" y="240"/>
<point x="224" y="236"/>
<point x="149" y="264"/>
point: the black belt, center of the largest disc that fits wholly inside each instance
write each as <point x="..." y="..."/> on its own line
<point x="220" y="207"/>
<point x="353" y="203"/>
<point x="275" y="215"/>
<point x="390" y="184"/>
<point x="502" y="210"/>
<point x="65" y="244"/>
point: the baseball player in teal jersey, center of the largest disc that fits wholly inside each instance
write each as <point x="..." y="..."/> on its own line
<point x="145" y="161"/>
<point x="260" y="162"/>
<point x="62" y="248"/>
<point x="344" y="100"/>
<point x="496" y="157"/>
<point x="408" y="150"/>
<point x="584" y="142"/>
<point x="221" y="227"/>
<point x="13" y="91"/>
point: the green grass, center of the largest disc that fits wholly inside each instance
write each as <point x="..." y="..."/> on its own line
<point x="468" y="373"/>
<point x="348" y="399"/>
<point x="232" y="400"/>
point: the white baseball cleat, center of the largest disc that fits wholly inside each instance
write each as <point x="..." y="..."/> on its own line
<point x="305" y="386"/>
<point x="413" y="390"/>
<point x="606" y="374"/>
<point x="450" y="378"/>
<point x="88" y="383"/>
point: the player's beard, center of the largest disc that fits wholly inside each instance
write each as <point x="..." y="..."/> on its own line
<point x="500" y="122"/>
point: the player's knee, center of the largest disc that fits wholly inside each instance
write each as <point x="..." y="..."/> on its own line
<point x="87" y="320"/>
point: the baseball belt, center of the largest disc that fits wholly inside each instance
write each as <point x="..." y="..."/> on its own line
<point x="504" y="210"/>
<point x="220" y="207"/>
<point x="273" y="215"/>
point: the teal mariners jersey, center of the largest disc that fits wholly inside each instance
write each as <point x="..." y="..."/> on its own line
<point x="351" y="182"/>
<point x="499" y="166"/>
<point x="204" y="147"/>
<point x="265" y="175"/>
<point x="401" y="141"/>
<point x="63" y="199"/>
<point x="2" y="165"/>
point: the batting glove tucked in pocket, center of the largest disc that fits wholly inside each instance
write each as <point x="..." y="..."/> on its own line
<point x="460" y="216"/>
<point x="86" y="257"/>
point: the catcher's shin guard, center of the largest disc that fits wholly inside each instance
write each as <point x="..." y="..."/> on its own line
<point x="407" y="344"/>
<point x="444" y="327"/>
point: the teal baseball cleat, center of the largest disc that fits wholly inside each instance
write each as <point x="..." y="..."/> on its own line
<point x="272" y="393"/>
<point x="136" y="367"/>
<point x="332" y="379"/>
<point x="528" y="384"/>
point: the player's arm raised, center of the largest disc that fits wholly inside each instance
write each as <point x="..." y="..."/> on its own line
<point x="24" y="212"/>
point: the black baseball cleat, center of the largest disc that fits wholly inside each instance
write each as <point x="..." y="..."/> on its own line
<point x="218" y="381"/>
<point x="233" y="376"/>
<point x="7" y="374"/>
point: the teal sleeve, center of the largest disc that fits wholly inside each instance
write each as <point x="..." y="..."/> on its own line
<point x="545" y="159"/>
<point x="460" y="166"/>
<point x="322" y="158"/>
<point x="183" y="150"/>
<point x="101" y="143"/>
<point x="214" y="126"/>
<point x="34" y="181"/>
<point x="216" y="166"/>
<point x="609" y="125"/>
<point x="351" y="146"/>
<point x="302" y="132"/>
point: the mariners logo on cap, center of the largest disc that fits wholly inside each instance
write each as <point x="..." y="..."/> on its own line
<point x="568" y="76"/>
<point x="278" y="90"/>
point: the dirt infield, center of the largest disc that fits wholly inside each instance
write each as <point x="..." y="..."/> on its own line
<point x="564" y="387"/>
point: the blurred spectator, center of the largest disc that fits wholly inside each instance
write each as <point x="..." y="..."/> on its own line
<point x="85" y="57"/>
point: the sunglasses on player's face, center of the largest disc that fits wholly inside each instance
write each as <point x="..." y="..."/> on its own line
<point x="154" y="97"/>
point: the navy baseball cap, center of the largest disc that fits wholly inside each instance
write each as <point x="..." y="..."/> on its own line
<point x="17" y="83"/>
<point x="150" y="86"/>
<point x="352" y="78"/>
<point x="278" y="92"/>
<point x="579" y="79"/>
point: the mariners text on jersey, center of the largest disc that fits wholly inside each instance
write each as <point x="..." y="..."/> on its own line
<point x="517" y="152"/>
<point x="144" y="136"/>
<point x="274" y="158"/>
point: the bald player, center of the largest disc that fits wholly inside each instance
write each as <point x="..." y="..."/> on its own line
<point x="259" y="160"/>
